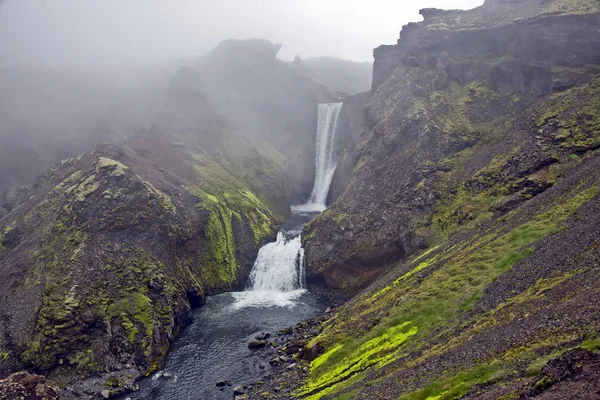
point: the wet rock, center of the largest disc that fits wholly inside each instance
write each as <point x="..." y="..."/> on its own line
<point x="292" y="366"/>
<point x="278" y="360"/>
<point x="257" y="344"/>
<point x="223" y="383"/>
<point x="238" y="390"/>
<point x="262" y="336"/>
<point x="287" y="331"/>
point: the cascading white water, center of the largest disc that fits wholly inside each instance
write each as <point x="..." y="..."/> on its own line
<point x="277" y="277"/>
<point x="279" y="266"/>
<point x="325" y="162"/>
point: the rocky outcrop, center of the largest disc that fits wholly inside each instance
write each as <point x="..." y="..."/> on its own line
<point x="468" y="228"/>
<point x="350" y="125"/>
<point x="22" y="385"/>
<point x="462" y="97"/>
<point x="103" y="259"/>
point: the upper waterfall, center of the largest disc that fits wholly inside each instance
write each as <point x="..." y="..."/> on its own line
<point x="325" y="162"/>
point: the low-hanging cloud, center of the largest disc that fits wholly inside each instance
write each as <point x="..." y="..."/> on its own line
<point x="91" y="32"/>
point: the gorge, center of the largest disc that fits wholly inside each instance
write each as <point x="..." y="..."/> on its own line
<point x="266" y="236"/>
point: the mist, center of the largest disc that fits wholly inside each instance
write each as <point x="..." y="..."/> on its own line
<point x="77" y="73"/>
<point x="61" y="33"/>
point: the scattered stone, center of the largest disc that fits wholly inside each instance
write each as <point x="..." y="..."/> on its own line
<point x="257" y="344"/>
<point x="223" y="383"/>
<point x="22" y="385"/>
<point x="105" y="394"/>
<point x="167" y="375"/>
<point x="238" y="390"/>
<point x="262" y="336"/>
<point x="292" y="366"/>
<point x="287" y="331"/>
<point x="242" y="397"/>
<point x="327" y="310"/>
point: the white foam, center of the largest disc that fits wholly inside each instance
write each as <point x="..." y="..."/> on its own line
<point x="266" y="298"/>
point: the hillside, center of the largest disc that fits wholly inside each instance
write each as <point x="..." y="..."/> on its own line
<point x="104" y="255"/>
<point x="468" y="221"/>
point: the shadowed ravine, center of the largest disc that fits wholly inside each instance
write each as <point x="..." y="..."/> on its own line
<point x="215" y="347"/>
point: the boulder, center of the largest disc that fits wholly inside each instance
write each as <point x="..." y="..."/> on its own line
<point x="257" y="344"/>
<point x="23" y="385"/>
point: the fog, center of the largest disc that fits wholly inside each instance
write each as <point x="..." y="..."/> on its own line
<point x="74" y="73"/>
<point x="92" y="32"/>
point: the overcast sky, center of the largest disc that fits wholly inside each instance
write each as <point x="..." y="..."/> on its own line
<point x="87" y="32"/>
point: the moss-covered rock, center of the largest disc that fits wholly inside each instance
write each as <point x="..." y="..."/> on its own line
<point x="111" y="250"/>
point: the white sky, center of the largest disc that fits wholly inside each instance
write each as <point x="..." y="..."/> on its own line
<point x="96" y="32"/>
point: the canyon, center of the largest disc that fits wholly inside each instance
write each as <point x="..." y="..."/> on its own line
<point x="453" y="206"/>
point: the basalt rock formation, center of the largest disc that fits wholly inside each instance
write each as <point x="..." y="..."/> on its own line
<point x="470" y="216"/>
<point x="503" y="91"/>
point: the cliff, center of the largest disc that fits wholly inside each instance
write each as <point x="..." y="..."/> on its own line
<point x="462" y="103"/>
<point x="470" y="217"/>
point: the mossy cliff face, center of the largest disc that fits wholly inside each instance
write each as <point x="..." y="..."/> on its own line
<point x="101" y="265"/>
<point x="471" y="215"/>
<point x="468" y="119"/>
<point x="480" y="313"/>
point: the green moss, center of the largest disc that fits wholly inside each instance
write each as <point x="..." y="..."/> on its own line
<point x="461" y="274"/>
<point x="572" y="7"/>
<point x="456" y="386"/>
<point x="592" y="344"/>
<point x="143" y="312"/>
<point x="353" y="358"/>
<point x="3" y="234"/>
<point x="577" y="112"/>
<point x="163" y="200"/>
<point x="117" y="168"/>
<point x="85" y="188"/>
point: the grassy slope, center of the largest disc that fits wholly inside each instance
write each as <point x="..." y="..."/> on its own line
<point x="442" y="324"/>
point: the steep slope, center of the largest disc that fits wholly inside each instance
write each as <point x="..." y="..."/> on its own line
<point x="464" y="109"/>
<point x="103" y="258"/>
<point x="472" y="211"/>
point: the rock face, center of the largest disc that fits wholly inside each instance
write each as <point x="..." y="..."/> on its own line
<point x="471" y="215"/>
<point x="465" y="97"/>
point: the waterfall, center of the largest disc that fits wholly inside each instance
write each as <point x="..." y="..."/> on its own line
<point x="325" y="162"/>
<point x="279" y="266"/>
<point x="277" y="277"/>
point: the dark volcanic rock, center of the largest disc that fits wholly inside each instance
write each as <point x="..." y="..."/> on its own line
<point x="256" y="344"/>
<point x="464" y="100"/>
<point x="103" y="262"/>
<point x="22" y="385"/>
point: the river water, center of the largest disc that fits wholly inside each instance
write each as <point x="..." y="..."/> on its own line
<point x="215" y="347"/>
